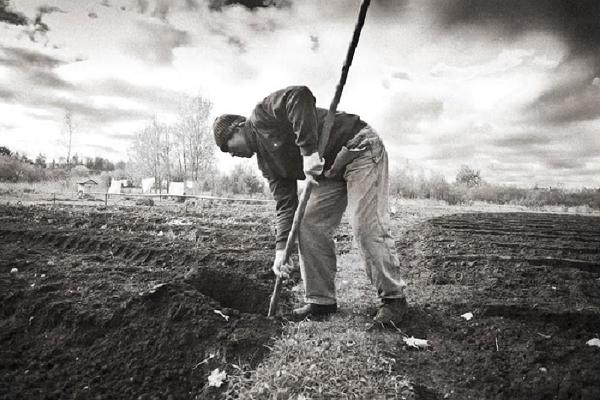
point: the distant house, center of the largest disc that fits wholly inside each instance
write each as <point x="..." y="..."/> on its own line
<point x="147" y="185"/>
<point x="86" y="186"/>
<point x="177" y="188"/>
<point x="116" y="185"/>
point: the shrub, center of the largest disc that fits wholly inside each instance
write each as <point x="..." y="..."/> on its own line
<point x="468" y="176"/>
<point x="14" y="170"/>
<point x="146" y="201"/>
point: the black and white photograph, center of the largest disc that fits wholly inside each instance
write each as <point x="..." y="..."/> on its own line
<point x="300" y="199"/>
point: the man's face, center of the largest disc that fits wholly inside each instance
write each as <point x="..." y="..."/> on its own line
<point x="237" y="145"/>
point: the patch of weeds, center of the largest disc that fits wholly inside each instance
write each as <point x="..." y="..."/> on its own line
<point x="323" y="360"/>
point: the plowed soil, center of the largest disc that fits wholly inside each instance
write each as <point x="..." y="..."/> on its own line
<point x="121" y="302"/>
<point x="137" y="302"/>
<point x="532" y="283"/>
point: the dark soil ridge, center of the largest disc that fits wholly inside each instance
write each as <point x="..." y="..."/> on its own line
<point x="141" y="250"/>
<point x="535" y="303"/>
<point x="106" y="313"/>
<point x="550" y="226"/>
<point x="150" y="346"/>
<point x="583" y="265"/>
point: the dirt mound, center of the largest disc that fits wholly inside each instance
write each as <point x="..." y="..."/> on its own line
<point x="128" y="304"/>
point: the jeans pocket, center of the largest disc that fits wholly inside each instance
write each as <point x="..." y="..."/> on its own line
<point x="376" y="147"/>
<point x="343" y="158"/>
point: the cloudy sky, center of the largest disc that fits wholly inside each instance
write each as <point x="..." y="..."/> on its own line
<point x="510" y="87"/>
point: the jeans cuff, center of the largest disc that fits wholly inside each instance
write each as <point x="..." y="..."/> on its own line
<point x="323" y="301"/>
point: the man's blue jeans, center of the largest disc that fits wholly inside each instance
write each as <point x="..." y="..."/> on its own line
<point x="362" y="188"/>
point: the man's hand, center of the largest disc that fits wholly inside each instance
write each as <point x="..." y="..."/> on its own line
<point x="313" y="165"/>
<point x="280" y="267"/>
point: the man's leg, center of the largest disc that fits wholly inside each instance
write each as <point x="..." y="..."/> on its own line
<point x="315" y="241"/>
<point x="367" y="180"/>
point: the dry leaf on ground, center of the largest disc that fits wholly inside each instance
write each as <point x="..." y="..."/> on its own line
<point x="593" y="342"/>
<point x="216" y="378"/>
<point x="416" y="343"/>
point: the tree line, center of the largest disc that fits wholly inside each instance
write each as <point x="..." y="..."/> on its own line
<point x="17" y="167"/>
<point x="469" y="186"/>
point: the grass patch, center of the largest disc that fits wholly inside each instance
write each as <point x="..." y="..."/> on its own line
<point x="325" y="360"/>
<point x="333" y="359"/>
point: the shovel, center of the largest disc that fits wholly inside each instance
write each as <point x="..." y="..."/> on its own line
<point x="323" y="139"/>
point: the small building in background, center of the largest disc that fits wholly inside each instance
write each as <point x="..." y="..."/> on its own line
<point x="116" y="185"/>
<point x="190" y="187"/>
<point x="86" y="186"/>
<point x="147" y="185"/>
<point x="176" y="188"/>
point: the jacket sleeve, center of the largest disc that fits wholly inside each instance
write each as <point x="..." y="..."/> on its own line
<point x="295" y="107"/>
<point x="301" y="112"/>
<point x="285" y="193"/>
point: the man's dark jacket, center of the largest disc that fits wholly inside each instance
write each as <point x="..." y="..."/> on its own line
<point x="283" y="127"/>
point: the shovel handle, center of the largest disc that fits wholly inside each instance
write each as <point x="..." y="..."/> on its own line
<point x="290" y="241"/>
<point x="275" y="297"/>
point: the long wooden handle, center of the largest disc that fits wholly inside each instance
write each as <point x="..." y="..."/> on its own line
<point x="330" y="118"/>
<point x="290" y="241"/>
<point x="323" y="140"/>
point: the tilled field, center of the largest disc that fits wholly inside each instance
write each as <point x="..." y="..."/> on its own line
<point x="532" y="283"/>
<point x="122" y="302"/>
<point x="136" y="302"/>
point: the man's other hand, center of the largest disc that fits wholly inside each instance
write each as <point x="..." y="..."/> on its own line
<point x="282" y="268"/>
<point x="313" y="165"/>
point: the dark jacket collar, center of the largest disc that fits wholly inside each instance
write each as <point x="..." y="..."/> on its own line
<point x="250" y="135"/>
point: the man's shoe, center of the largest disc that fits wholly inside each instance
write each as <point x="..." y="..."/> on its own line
<point x="392" y="311"/>
<point x="314" y="310"/>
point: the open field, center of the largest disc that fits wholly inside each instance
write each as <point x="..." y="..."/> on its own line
<point x="121" y="301"/>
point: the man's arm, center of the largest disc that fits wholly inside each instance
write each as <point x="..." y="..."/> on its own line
<point x="295" y="107"/>
<point x="285" y="193"/>
<point x="301" y="112"/>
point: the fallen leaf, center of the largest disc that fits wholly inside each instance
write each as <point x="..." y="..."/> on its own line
<point x="467" y="316"/>
<point x="544" y="336"/>
<point x="222" y="315"/>
<point x="593" y="342"/>
<point x="416" y="343"/>
<point x="216" y="378"/>
<point x="153" y="288"/>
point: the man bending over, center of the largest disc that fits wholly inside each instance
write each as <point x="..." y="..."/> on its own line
<point x="283" y="131"/>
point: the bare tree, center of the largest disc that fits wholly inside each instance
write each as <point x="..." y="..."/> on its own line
<point x="194" y="144"/>
<point x="145" y="152"/>
<point x="181" y="151"/>
<point x="165" y="152"/>
<point x="68" y="130"/>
